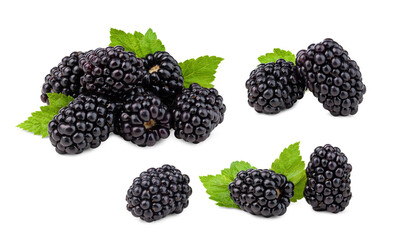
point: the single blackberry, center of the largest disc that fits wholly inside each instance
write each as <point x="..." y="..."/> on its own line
<point x="273" y="87"/>
<point x="84" y="123"/>
<point x="197" y="112"/>
<point x="65" y="78"/>
<point x="143" y="119"/>
<point x="328" y="180"/>
<point x="261" y="192"/>
<point x="164" y="76"/>
<point x="111" y="71"/>
<point x="332" y="76"/>
<point x="158" y="192"/>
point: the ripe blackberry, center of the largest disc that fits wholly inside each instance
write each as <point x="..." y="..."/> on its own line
<point x="164" y="76"/>
<point x="273" y="87"/>
<point x="84" y="123"/>
<point x="332" y="76"/>
<point x="111" y="71"/>
<point x="65" y="78"/>
<point x="328" y="184"/>
<point x="197" y="112"/>
<point x="143" y="119"/>
<point x="158" y="192"/>
<point x="261" y="192"/>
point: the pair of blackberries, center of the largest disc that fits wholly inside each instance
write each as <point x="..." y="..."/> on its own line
<point x="158" y="192"/>
<point x="145" y="96"/>
<point x="324" y="68"/>
<point x="266" y="193"/>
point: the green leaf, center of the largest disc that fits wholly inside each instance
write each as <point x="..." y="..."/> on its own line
<point x="140" y="44"/>
<point x="150" y="44"/>
<point x="217" y="188"/>
<point x="217" y="185"/>
<point x="37" y="123"/>
<point x="277" y="54"/>
<point x="235" y="168"/>
<point x="58" y="100"/>
<point x="201" y="70"/>
<point x="120" y="38"/>
<point x="291" y="165"/>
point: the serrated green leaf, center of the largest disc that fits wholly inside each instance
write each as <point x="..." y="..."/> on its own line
<point x="201" y="70"/>
<point x="120" y="38"/>
<point x="136" y="47"/>
<point x="58" y="100"/>
<point x="299" y="189"/>
<point x="150" y="44"/>
<point x="277" y="54"/>
<point x="140" y="44"/>
<point x="37" y="123"/>
<point x="217" y="185"/>
<point x="217" y="188"/>
<point x="235" y="168"/>
<point x="291" y="165"/>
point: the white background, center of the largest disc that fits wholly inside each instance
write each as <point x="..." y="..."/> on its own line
<point x="44" y="195"/>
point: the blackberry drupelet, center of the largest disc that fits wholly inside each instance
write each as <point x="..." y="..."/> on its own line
<point x="261" y="192"/>
<point x="197" y="112"/>
<point x="273" y="87"/>
<point x="164" y="76"/>
<point x="111" y="71"/>
<point x="158" y="192"/>
<point x="84" y="123"/>
<point x="65" y="78"/>
<point x="333" y="77"/>
<point x="143" y="119"/>
<point x="328" y="180"/>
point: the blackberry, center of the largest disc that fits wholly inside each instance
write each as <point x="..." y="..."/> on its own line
<point x="84" y="123"/>
<point x="261" y="192"/>
<point x="65" y="78"/>
<point x="158" y="192"/>
<point x="164" y="76"/>
<point x="273" y="87"/>
<point x="143" y="119"/>
<point x="197" y="112"/>
<point x="328" y="180"/>
<point x="111" y="71"/>
<point x="333" y="77"/>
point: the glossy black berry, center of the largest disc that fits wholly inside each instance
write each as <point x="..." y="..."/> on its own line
<point x="65" y="78"/>
<point x="111" y="71"/>
<point x="328" y="180"/>
<point x="197" y="112"/>
<point x="333" y="77"/>
<point x="164" y="76"/>
<point x="261" y="192"/>
<point x="143" y="118"/>
<point x="84" y="123"/>
<point x="158" y="192"/>
<point x="273" y="87"/>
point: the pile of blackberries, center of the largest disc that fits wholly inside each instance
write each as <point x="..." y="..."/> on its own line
<point x="324" y="68"/>
<point x="140" y="99"/>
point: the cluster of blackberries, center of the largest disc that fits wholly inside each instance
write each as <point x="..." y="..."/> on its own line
<point x="324" y="68"/>
<point x="140" y="99"/>
<point x="158" y="192"/>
